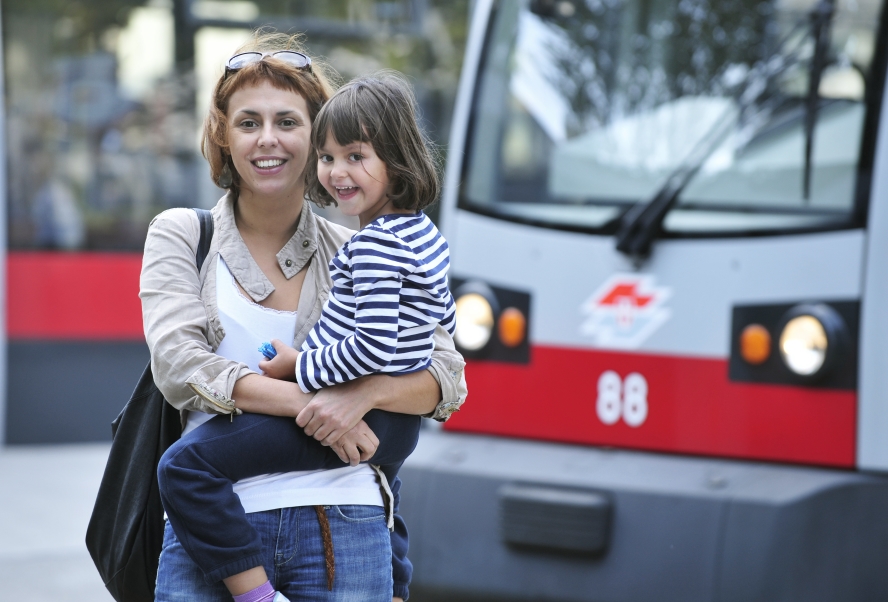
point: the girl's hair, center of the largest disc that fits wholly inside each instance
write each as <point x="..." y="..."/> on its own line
<point x="380" y="110"/>
<point x="311" y="84"/>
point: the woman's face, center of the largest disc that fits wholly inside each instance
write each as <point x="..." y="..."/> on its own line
<point x="269" y="134"/>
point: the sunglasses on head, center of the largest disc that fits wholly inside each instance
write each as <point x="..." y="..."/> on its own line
<point x="291" y="57"/>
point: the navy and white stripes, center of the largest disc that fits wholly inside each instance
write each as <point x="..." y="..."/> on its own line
<point x="389" y="292"/>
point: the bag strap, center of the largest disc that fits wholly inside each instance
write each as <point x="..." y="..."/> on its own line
<point x="206" y="236"/>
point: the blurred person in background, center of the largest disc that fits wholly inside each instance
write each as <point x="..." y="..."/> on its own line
<point x="324" y="533"/>
<point x="58" y="223"/>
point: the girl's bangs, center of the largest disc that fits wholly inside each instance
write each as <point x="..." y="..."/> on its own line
<point x="342" y="117"/>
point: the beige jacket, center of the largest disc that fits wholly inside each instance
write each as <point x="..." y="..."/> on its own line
<point x="181" y="318"/>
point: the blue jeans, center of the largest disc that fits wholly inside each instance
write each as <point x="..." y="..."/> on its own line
<point x="196" y="473"/>
<point x="293" y="557"/>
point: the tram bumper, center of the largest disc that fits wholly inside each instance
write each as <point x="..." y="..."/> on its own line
<point x="680" y="528"/>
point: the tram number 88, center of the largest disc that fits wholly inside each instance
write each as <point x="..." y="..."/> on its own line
<point x="618" y="398"/>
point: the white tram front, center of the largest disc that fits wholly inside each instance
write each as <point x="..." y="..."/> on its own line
<point x="669" y="230"/>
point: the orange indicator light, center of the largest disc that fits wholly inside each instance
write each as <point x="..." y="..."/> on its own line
<point x="755" y="344"/>
<point x="512" y="327"/>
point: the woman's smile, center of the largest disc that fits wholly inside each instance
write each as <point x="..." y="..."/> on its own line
<point x="269" y="165"/>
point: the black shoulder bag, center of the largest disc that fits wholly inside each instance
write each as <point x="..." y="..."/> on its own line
<point x="125" y="532"/>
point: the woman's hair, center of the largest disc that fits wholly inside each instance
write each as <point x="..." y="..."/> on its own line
<point x="380" y="110"/>
<point x="312" y="84"/>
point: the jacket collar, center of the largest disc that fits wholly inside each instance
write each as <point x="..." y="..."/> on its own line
<point x="294" y="256"/>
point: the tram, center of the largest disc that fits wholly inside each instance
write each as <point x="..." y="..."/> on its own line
<point x="669" y="231"/>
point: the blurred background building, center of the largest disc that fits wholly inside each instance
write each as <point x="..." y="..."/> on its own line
<point x="105" y="98"/>
<point x="104" y="105"/>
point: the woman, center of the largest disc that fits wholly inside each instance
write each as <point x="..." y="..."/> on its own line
<point x="267" y="268"/>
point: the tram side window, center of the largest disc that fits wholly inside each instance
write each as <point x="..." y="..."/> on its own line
<point x="585" y="108"/>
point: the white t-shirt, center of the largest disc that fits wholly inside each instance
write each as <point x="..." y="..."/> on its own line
<point x="247" y="325"/>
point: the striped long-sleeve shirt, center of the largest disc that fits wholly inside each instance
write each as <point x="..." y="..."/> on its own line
<point x="389" y="292"/>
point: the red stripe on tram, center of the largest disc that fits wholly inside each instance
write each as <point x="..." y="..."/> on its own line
<point x="691" y="408"/>
<point x="78" y="296"/>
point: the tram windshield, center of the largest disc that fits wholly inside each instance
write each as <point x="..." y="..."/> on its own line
<point x="587" y="107"/>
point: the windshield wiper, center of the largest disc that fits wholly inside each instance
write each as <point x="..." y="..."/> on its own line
<point x="642" y="223"/>
<point x="821" y="20"/>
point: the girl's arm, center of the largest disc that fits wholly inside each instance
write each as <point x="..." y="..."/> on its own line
<point x="334" y="410"/>
<point x="378" y="263"/>
<point x="436" y="392"/>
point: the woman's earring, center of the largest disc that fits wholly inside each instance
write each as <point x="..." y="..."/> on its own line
<point x="225" y="178"/>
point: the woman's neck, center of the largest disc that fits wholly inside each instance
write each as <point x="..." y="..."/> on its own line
<point x="273" y="219"/>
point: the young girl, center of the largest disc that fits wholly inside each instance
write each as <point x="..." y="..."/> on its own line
<point x="389" y="293"/>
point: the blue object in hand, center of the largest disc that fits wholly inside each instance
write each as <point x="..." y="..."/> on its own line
<point x="267" y="350"/>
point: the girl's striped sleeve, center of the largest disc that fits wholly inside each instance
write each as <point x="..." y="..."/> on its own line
<point x="379" y="262"/>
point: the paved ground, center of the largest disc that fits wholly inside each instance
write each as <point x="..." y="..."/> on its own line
<point x="46" y="496"/>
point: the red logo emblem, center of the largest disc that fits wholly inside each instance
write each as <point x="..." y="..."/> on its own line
<point x="625" y="310"/>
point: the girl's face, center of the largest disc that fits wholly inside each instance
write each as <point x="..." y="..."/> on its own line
<point x="356" y="177"/>
<point x="269" y="137"/>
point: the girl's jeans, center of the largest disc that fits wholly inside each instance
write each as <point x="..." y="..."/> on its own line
<point x="196" y="475"/>
<point x="293" y="557"/>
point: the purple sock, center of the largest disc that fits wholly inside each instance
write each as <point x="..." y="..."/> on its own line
<point x="263" y="593"/>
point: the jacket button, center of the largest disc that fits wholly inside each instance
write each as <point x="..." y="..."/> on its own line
<point x="289" y="263"/>
<point x="304" y="243"/>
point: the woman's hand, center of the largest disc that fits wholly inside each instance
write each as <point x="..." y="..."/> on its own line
<point x="357" y="445"/>
<point x="336" y="410"/>
<point x="283" y="365"/>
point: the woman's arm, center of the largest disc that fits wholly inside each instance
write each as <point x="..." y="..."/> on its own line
<point x="448" y="370"/>
<point x="339" y="408"/>
<point x="436" y="392"/>
<point x="175" y="319"/>
<point x="263" y="395"/>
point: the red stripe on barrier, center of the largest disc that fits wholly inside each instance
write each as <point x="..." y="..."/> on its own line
<point x="692" y="408"/>
<point x="85" y="296"/>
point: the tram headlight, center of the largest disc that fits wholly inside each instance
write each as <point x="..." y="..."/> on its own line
<point x="475" y="317"/>
<point x="810" y="339"/>
<point x="492" y="322"/>
<point x="808" y="344"/>
<point x="803" y="345"/>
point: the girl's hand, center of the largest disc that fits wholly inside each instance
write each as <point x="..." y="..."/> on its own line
<point x="357" y="445"/>
<point x="283" y="366"/>
<point x="336" y="410"/>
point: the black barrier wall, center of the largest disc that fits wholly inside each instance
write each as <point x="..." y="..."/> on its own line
<point x="69" y="391"/>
